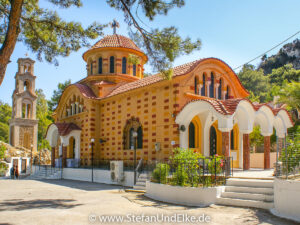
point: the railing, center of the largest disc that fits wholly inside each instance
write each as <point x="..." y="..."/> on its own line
<point x="204" y="172"/>
<point x="288" y="164"/>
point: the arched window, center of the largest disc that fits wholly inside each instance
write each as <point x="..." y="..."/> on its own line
<point x="196" y="84"/>
<point x="220" y="89"/>
<point x="139" y="137"/>
<point x="100" y="63"/>
<point x="124" y="65"/>
<point x="203" y="86"/>
<point x="134" y="69"/>
<point x="112" y="64"/>
<point x="75" y="108"/>
<point x="91" y="68"/>
<point x="232" y="140"/>
<point x="26" y="85"/>
<point x="212" y="141"/>
<point x="132" y="125"/>
<point x="191" y="135"/>
<point x="227" y="92"/>
<point x="212" y="86"/>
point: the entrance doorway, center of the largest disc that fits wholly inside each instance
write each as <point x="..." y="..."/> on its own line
<point x="212" y="141"/>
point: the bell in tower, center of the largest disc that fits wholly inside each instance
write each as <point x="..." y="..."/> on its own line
<point x="23" y="124"/>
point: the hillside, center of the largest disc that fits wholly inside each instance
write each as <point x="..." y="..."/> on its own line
<point x="289" y="53"/>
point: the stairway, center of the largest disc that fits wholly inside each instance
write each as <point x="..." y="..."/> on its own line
<point x="46" y="173"/>
<point x="255" y="193"/>
<point x="141" y="182"/>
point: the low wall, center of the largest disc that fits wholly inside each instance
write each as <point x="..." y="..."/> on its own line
<point x="100" y="176"/>
<point x="257" y="160"/>
<point x="189" y="196"/>
<point x="287" y="199"/>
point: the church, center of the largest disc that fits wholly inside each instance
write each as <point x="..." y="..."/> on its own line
<point x="203" y="107"/>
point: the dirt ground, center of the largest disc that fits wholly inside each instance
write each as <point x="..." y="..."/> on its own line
<point x="73" y="202"/>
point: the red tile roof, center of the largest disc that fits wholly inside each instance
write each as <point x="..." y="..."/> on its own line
<point x="228" y="107"/>
<point x="86" y="91"/>
<point x="177" y="71"/>
<point x="66" y="128"/>
<point x="116" y="41"/>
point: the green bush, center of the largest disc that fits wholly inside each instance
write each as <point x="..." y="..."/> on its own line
<point x="215" y="165"/>
<point x="186" y="164"/>
<point x="291" y="157"/>
<point x="160" y="173"/>
<point x="3" y="168"/>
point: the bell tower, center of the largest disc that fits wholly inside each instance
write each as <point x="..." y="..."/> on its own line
<point x="23" y="124"/>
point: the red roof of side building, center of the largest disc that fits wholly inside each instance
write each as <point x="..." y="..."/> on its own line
<point x="228" y="106"/>
<point x="66" y="128"/>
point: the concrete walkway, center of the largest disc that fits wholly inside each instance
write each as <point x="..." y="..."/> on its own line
<point x="63" y="202"/>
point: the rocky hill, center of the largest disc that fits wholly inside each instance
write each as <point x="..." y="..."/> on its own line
<point x="289" y="53"/>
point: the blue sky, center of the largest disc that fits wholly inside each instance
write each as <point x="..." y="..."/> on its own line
<point x="232" y="30"/>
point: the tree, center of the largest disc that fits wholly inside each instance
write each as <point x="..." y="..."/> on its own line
<point x="43" y="115"/>
<point x="42" y="30"/>
<point x="286" y="72"/>
<point x="49" y="36"/>
<point x="57" y="93"/>
<point x="255" y="82"/>
<point x="290" y="95"/>
<point x="5" y="116"/>
<point x="256" y="139"/>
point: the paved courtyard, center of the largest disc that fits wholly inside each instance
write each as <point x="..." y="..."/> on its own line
<point x="73" y="202"/>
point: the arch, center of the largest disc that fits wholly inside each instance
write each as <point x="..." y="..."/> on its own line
<point x="220" y="89"/>
<point x="245" y="115"/>
<point x="212" y="85"/>
<point x="134" y="69"/>
<point x="100" y="65"/>
<point x="196" y="83"/>
<point x="124" y="65"/>
<point x="112" y="64"/>
<point x="203" y="91"/>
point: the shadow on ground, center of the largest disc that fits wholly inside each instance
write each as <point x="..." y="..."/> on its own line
<point x="82" y="185"/>
<point x="18" y="205"/>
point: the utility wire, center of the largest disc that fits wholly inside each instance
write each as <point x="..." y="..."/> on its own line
<point x="268" y="50"/>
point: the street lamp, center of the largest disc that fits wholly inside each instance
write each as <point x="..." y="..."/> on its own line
<point x="31" y="158"/>
<point x="92" y="145"/>
<point x="134" y="135"/>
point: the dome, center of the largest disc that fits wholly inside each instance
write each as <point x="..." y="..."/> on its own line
<point x="115" y="41"/>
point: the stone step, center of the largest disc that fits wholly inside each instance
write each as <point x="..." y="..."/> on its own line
<point x="143" y="175"/>
<point x="250" y="183"/>
<point x="257" y="190"/>
<point x="245" y="203"/>
<point x="141" y="183"/>
<point x="248" y="196"/>
<point x="142" y="179"/>
<point x="138" y="187"/>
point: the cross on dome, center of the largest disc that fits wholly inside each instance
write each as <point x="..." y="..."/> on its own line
<point x="114" y="25"/>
